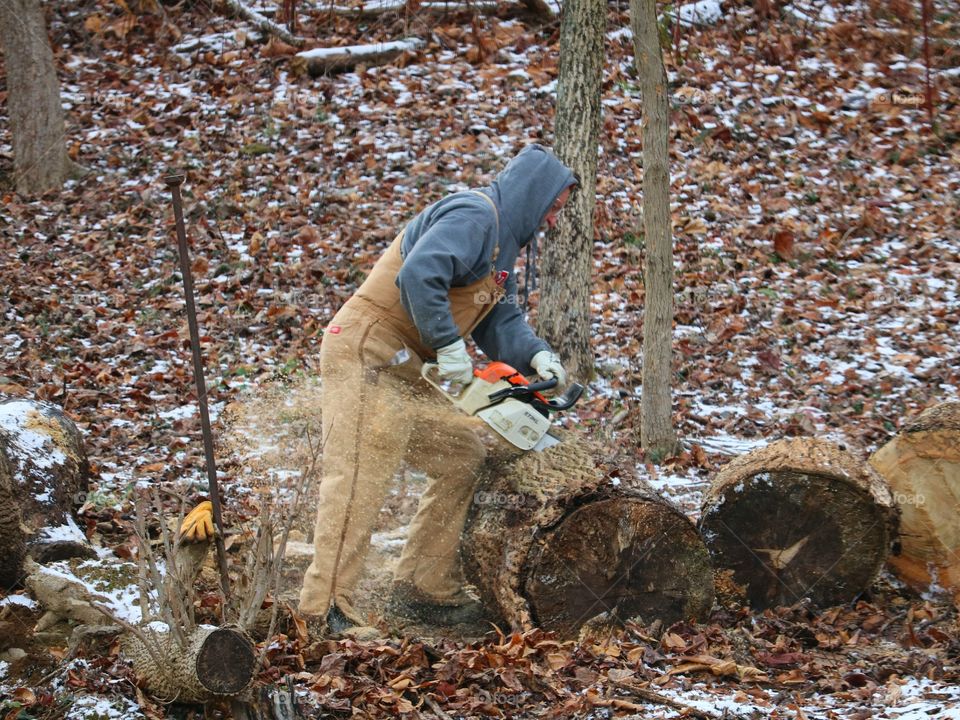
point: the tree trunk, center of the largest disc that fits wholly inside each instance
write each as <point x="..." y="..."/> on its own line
<point x="13" y="547"/>
<point x="922" y="465"/>
<point x="799" y="519"/>
<point x="564" y="311"/>
<point x="656" y="426"/>
<point x="213" y="663"/>
<point x="33" y="99"/>
<point x="551" y="542"/>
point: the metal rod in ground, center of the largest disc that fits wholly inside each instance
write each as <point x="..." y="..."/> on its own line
<point x="174" y="182"/>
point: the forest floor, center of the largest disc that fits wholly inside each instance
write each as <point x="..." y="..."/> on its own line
<point x="817" y="246"/>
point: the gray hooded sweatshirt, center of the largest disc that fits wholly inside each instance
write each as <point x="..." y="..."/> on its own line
<point x="450" y="244"/>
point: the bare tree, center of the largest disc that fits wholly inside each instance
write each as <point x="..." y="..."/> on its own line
<point x="564" y="313"/>
<point x="656" y="426"/>
<point x="33" y="99"/>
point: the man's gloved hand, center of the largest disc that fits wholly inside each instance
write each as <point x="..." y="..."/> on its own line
<point x="198" y="524"/>
<point x="548" y="365"/>
<point x="454" y="362"/>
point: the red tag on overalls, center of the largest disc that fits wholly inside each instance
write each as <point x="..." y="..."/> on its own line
<point x="500" y="277"/>
<point x="334" y="329"/>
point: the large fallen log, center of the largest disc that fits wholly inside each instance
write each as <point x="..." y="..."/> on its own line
<point x="44" y="454"/>
<point x="376" y="8"/>
<point x="552" y="542"/>
<point x="322" y="61"/>
<point x="799" y="519"/>
<point x="922" y="465"/>
<point x="209" y="663"/>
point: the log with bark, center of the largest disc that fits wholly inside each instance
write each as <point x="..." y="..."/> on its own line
<point x="922" y="465"/>
<point x="799" y="519"/>
<point x="552" y="542"/>
<point x="48" y="469"/>
<point x="13" y="546"/>
<point x="205" y="664"/>
<point x="322" y="61"/>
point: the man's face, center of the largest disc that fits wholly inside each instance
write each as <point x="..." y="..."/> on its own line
<point x="554" y="211"/>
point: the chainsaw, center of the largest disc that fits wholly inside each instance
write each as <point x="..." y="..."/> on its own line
<point x="510" y="404"/>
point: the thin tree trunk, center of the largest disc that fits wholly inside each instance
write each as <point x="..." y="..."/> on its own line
<point x="564" y="313"/>
<point x="33" y="99"/>
<point x="656" y="430"/>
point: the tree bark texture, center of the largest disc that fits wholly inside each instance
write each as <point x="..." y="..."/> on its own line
<point x="213" y="663"/>
<point x="33" y="99"/>
<point x="657" y="435"/>
<point x="13" y="546"/>
<point x="552" y="542"/>
<point x="564" y="311"/>
<point x="922" y="465"/>
<point x="799" y="519"/>
<point x="44" y="452"/>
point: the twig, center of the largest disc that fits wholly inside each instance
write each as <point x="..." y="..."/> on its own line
<point x="147" y="556"/>
<point x="151" y="646"/>
<point x="435" y="706"/>
<point x="655" y="697"/>
<point x="263" y="24"/>
<point x="928" y="100"/>
<point x="172" y="583"/>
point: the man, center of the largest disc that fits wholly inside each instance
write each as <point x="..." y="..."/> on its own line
<point x="441" y="280"/>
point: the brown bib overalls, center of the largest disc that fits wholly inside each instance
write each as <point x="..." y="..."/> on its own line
<point x="377" y="413"/>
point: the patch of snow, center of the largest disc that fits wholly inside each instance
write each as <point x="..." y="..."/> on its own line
<point x="728" y="444"/>
<point x="363" y="50"/>
<point x="21" y="600"/>
<point x="68" y="532"/>
<point x="116" y="707"/>
<point x="25" y="442"/>
<point x="704" y="12"/>
<point x="123" y="601"/>
<point x="180" y="413"/>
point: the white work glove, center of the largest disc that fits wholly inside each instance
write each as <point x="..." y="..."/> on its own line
<point x="454" y="363"/>
<point x="548" y="365"/>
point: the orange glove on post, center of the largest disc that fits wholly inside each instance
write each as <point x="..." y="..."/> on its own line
<point x="198" y="524"/>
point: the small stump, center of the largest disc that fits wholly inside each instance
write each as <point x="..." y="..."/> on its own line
<point x="799" y="519"/>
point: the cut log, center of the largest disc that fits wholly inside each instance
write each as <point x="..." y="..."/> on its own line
<point x="799" y="519"/>
<point x="552" y="542"/>
<point x="322" y="61"/>
<point x="922" y="465"/>
<point x="212" y="663"/>
<point x="45" y="454"/>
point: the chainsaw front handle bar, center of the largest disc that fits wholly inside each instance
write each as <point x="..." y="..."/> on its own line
<point x="528" y="393"/>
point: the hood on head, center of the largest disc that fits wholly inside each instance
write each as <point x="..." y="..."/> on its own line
<point x="527" y="187"/>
